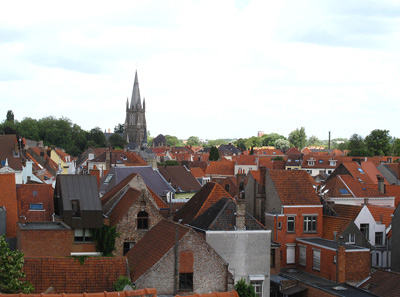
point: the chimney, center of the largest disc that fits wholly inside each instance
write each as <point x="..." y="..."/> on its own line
<point x="329" y="141"/>
<point x="241" y="205"/>
<point x="381" y="184"/>
<point x="108" y="160"/>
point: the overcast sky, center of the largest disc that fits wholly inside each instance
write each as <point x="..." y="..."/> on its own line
<point x="212" y="69"/>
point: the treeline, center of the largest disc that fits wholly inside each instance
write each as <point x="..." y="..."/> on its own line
<point x="60" y="132"/>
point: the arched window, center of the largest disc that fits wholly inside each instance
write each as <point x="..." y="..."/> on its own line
<point x="143" y="220"/>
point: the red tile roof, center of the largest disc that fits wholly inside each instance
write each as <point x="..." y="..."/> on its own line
<point x="382" y="214"/>
<point x="153" y="246"/>
<point x="8" y="145"/>
<point x="123" y="205"/>
<point x="383" y="283"/>
<point x="222" y="167"/>
<point x="215" y="294"/>
<point x="8" y="199"/>
<point x="179" y="178"/>
<point x="111" y="193"/>
<point x="209" y="194"/>
<point x="294" y="187"/>
<point x="293" y="151"/>
<point x="151" y="292"/>
<point x="160" y="203"/>
<point x="256" y="175"/>
<point x="247" y="160"/>
<point x="347" y="211"/>
<point x="393" y="190"/>
<point x="331" y="224"/>
<point x="197" y="172"/>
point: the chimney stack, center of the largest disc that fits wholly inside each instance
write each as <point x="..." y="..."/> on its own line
<point x="108" y="160"/>
<point x="381" y="184"/>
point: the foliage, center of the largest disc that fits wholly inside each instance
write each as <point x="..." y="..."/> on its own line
<point x="116" y="141"/>
<point x="377" y="142"/>
<point x="251" y="151"/>
<point x="96" y="137"/>
<point x="123" y="281"/>
<point x="216" y="142"/>
<point x="105" y="239"/>
<point x="282" y="144"/>
<point x="270" y="139"/>
<point x="255" y="141"/>
<point x="81" y="259"/>
<point x="171" y="163"/>
<point x="356" y="142"/>
<point x="242" y="143"/>
<point x="244" y="290"/>
<point x="149" y="139"/>
<point x="10" y="116"/>
<point x="395" y="148"/>
<point x="214" y="154"/>
<point x="278" y="158"/>
<point x="11" y="273"/>
<point x="314" y="141"/>
<point x="193" y="141"/>
<point x="298" y="138"/>
<point x="119" y="128"/>
<point x="360" y="153"/>
<point x="172" y="140"/>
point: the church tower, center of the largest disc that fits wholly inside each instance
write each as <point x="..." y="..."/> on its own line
<point x="135" y="121"/>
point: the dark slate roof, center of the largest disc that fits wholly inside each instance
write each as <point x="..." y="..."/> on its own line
<point x="228" y="149"/>
<point x="330" y="244"/>
<point x="152" y="178"/>
<point x="180" y="178"/>
<point x="390" y="172"/>
<point x="160" y="140"/>
<point x="221" y="217"/>
<point x="43" y="226"/>
<point x="81" y="187"/>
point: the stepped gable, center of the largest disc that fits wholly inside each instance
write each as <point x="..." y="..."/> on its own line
<point x="153" y="246"/>
<point x="294" y="187"/>
<point x="209" y="194"/>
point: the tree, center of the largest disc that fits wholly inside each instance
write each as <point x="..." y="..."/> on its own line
<point x="105" y="239"/>
<point x="244" y="290"/>
<point x="119" y="128"/>
<point x="216" y="142"/>
<point x="243" y="144"/>
<point x="269" y="139"/>
<point x="255" y="141"/>
<point x="357" y="147"/>
<point x="29" y="128"/>
<point x="282" y="144"/>
<point x="116" y="141"/>
<point x="377" y="142"/>
<point x="395" y="148"/>
<point x="298" y="138"/>
<point x="96" y="138"/>
<point x="172" y="140"/>
<point x="10" y="116"/>
<point x="313" y="140"/>
<point x="214" y="154"/>
<point x="193" y="141"/>
<point x="11" y="273"/>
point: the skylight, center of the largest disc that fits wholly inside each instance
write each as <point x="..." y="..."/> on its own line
<point x="360" y="169"/>
<point x="343" y="191"/>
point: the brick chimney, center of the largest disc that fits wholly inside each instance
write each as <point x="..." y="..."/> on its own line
<point x="341" y="265"/>
<point x="108" y="160"/>
<point x="241" y="204"/>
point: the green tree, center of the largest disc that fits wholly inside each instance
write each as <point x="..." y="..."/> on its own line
<point x="96" y="138"/>
<point x="214" y="154"/>
<point x="242" y="143"/>
<point x="269" y="139"/>
<point x="116" y="141"/>
<point x="216" y="142"/>
<point x="172" y="140"/>
<point x="314" y="140"/>
<point x="282" y="144"/>
<point x="356" y="142"/>
<point x="377" y="142"/>
<point x="29" y="128"/>
<point x="105" y="239"/>
<point x="255" y="141"/>
<point x="171" y="163"/>
<point x="193" y="141"/>
<point x="11" y="273"/>
<point x="244" y="290"/>
<point x="395" y="148"/>
<point x="298" y="138"/>
<point x="123" y="281"/>
<point x="10" y="116"/>
<point x="119" y="128"/>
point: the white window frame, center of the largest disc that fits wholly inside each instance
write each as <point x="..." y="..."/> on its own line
<point x="350" y="238"/>
<point x="308" y="223"/>
<point x="258" y="283"/>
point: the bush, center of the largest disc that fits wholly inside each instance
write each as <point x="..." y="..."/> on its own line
<point x="245" y="290"/>
<point x="122" y="282"/>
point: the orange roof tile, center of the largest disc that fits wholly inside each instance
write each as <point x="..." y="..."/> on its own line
<point x="246" y="160"/>
<point x="209" y="194"/>
<point x="222" y="167"/>
<point x="393" y="190"/>
<point x="331" y="224"/>
<point x="160" y="203"/>
<point x="347" y="211"/>
<point x="294" y="187"/>
<point x="197" y="172"/>
<point x="382" y="214"/>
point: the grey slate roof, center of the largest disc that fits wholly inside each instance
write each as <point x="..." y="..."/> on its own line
<point x="152" y="178"/>
<point x="388" y="172"/>
<point x="81" y="187"/>
<point x="221" y="217"/>
<point x="331" y="244"/>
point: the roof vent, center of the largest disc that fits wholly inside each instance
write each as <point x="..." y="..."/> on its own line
<point x="339" y="288"/>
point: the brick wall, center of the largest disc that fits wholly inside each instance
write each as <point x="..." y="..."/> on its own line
<point x="8" y="199"/>
<point x="45" y="243"/>
<point x="209" y="270"/>
<point x="358" y="265"/>
<point x="68" y="275"/>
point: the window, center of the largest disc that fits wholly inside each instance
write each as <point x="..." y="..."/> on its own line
<point x="82" y="235"/>
<point x="185" y="281"/>
<point x="143" y="220"/>
<point x="350" y="238"/>
<point x="378" y="238"/>
<point x="227" y="188"/>
<point x="302" y="255"/>
<point x="257" y="287"/>
<point x="76" y="209"/>
<point x="311" y="163"/>
<point x="332" y="163"/>
<point x="329" y="171"/>
<point x="108" y="178"/>
<point x="127" y="246"/>
<point x="290" y="224"/>
<point x="310" y="223"/>
<point x="361" y="171"/>
<point x="344" y="191"/>
<point x="272" y="260"/>
<point x="364" y="228"/>
<point x="290" y="253"/>
<point x="317" y="260"/>
<point x="309" y="171"/>
<point x="36" y="206"/>
<point x="321" y="161"/>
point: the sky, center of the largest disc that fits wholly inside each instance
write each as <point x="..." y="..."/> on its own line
<point x="212" y="69"/>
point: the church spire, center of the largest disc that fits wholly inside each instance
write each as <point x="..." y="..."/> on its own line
<point x="135" y="100"/>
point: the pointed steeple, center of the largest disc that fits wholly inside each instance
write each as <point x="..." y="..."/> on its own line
<point x="144" y="103"/>
<point x="127" y="102"/>
<point x="135" y="100"/>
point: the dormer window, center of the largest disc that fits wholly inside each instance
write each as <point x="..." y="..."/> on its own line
<point x="76" y="209"/>
<point x="311" y="162"/>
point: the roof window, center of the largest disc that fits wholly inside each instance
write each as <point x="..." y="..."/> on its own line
<point x="321" y="161"/>
<point x="361" y="171"/>
<point x="343" y="191"/>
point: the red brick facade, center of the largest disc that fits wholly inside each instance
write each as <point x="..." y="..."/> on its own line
<point x="69" y="275"/>
<point x="8" y="199"/>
